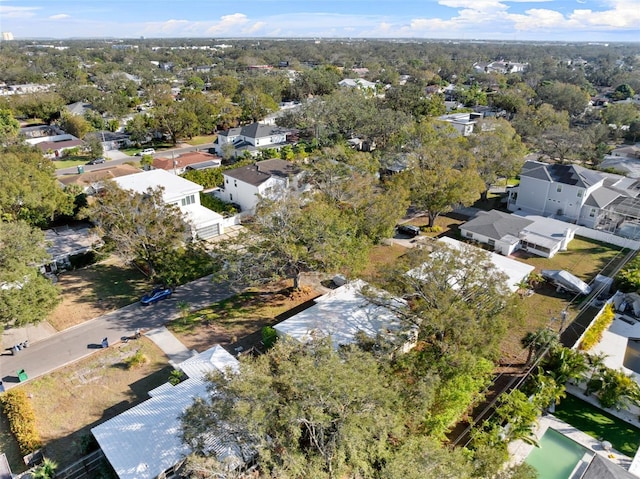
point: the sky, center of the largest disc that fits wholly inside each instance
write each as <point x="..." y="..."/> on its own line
<point x="513" y="20"/>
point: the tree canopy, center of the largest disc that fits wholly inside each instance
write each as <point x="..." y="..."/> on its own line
<point x="141" y="226"/>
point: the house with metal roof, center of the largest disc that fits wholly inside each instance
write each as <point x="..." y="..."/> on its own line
<point x="251" y="138"/>
<point x="575" y="194"/>
<point x="190" y="160"/>
<point x="144" y="442"/>
<point x="343" y="313"/>
<point x="507" y="233"/>
<point x="264" y="179"/>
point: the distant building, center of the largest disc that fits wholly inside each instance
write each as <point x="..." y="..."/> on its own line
<point x="7" y="36"/>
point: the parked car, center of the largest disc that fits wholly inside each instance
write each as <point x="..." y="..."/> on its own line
<point x="409" y="230"/>
<point x="147" y="151"/>
<point x="156" y="295"/>
<point x="97" y="161"/>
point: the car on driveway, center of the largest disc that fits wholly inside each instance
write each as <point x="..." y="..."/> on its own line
<point x="408" y="230"/>
<point x="147" y="151"/>
<point x="97" y="161"/>
<point x="156" y="295"/>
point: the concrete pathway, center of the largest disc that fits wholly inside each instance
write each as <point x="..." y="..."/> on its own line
<point x="170" y="345"/>
<point x="82" y="340"/>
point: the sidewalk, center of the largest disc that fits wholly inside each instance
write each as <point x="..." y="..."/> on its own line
<point x="80" y="341"/>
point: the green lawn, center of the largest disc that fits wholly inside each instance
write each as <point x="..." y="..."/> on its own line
<point x="201" y="140"/>
<point x="599" y="424"/>
<point x="585" y="258"/>
<point x="70" y="161"/>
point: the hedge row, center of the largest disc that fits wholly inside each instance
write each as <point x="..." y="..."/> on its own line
<point x="22" y="420"/>
<point x="594" y="333"/>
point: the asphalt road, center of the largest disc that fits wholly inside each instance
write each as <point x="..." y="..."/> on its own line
<point x="82" y="340"/>
<point x="116" y="157"/>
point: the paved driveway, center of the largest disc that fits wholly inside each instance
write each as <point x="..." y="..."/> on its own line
<point x="82" y="340"/>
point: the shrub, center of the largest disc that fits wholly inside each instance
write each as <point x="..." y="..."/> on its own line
<point x="269" y="337"/>
<point x="217" y="205"/>
<point x="628" y="278"/>
<point x="137" y="360"/>
<point x="22" y="420"/>
<point x="176" y="377"/>
<point x="594" y="333"/>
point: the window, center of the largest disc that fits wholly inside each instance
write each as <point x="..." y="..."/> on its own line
<point x="227" y="181"/>
<point x="491" y="242"/>
<point x="559" y="189"/>
<point x="469" y="234"/>
<point x="580" y="193"/>
<point x="230" y="197"/>
<point x="235" y="184"/>
<point x="592" y="213"/>
<point x="188" y="200"/>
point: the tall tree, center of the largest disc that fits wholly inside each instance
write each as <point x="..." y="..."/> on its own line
<point x="498" y="151"/>
<point x="25" y="296"/>
<point x="28" y="187"/>
<point x="292" y="236"/>
<point x="9" y="126"/>
<point x="142" y="226"/>
<point x="310" y="411"/>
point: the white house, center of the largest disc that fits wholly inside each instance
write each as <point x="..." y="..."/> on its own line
<point x="185" y="194"/>
<point x="53" y="146"/>
<point x="341" y="314"/>
<point x="269" y="178"/>
<point x="578" y="195"/>
<point x="514" y="271"/>
<point x="507" y="233"/>
<point x="359" y="83"/>
<point x="464" y="123"/>
<point x="144" y="441"/>
<point x="251" y="138"/>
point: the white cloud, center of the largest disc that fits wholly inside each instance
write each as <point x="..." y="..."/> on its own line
<point x="229" y="23"/>
<point x="9" y="11"/>
<point x="59" y="16"/>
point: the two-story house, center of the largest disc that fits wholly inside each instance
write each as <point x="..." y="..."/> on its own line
<point x="185" y="194"/>
<point x="247" y="184"/>
<point x="578" y="195"/>
<point x="251" y="138"/>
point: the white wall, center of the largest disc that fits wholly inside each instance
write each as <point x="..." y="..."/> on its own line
<point x="608" y="238"/>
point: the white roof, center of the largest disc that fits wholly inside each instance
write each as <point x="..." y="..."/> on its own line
<point x="515" y="270"/>
<point x="340" y="314"/>
<point x="144" y="441"/>
<point x="200" y="215"/>
<point x="174" y="186"/>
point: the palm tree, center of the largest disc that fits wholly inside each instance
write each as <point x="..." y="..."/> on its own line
<point x="538" y="340"/>
<point x="564" y="364"/>
<point x="46" y="470"/>
<point x="596" y="363"/>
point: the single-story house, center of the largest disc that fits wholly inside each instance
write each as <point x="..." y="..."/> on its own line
<point x="185" y="194"/>
<point x="507" y="233"/>
<point x="515" y="271"/>
<point x="464" y="123"/>
<point x="185" y="161"/>
<point x="54" y="146"/>
<point x="269" y="178"/>
<point x="110" y="140"/>
<point x="90" y="181"/>
<point x="359" y="83"/>
<point x="341" y="314"/>
<point x="62" y="243"/>
<point x="144" y="442"/>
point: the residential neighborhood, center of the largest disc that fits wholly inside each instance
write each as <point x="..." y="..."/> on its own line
<point x="319" y="258"/>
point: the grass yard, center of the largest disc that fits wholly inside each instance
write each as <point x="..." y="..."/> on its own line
<point x="95" y="290"/>
<point x="72" y="400"/>
<point x="201" y="140"/>
<point x="599" y="424"/>
<point x="381" y="256"/>
<point x="239" y="316"/>
<point x="70" y="161"/>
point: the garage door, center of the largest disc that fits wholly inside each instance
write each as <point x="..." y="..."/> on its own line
<point x="208" y="231"/>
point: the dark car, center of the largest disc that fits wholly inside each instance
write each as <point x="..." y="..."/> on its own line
<point x="409" y="230"/>
<point x="156" y="295"/>
<point x="97" y="161"/>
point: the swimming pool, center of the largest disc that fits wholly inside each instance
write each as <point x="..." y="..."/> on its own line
<point x="632" y="355"/>
<point x="556" y="457"/>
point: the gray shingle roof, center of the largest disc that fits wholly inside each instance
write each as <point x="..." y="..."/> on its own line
<point x="566" y="174"/>
<point x="602" y="197"/>
<point x="496" y="224"/>
<point x="600" y="468"/>
<point x="261" y="171"/>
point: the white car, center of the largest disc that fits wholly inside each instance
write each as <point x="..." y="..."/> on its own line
<point x="147" y="151"/>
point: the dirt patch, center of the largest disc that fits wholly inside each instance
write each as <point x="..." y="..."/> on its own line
<point x="95" y="290"/>
<point x="72" y="400"/>
<point x="236" y="323"/>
